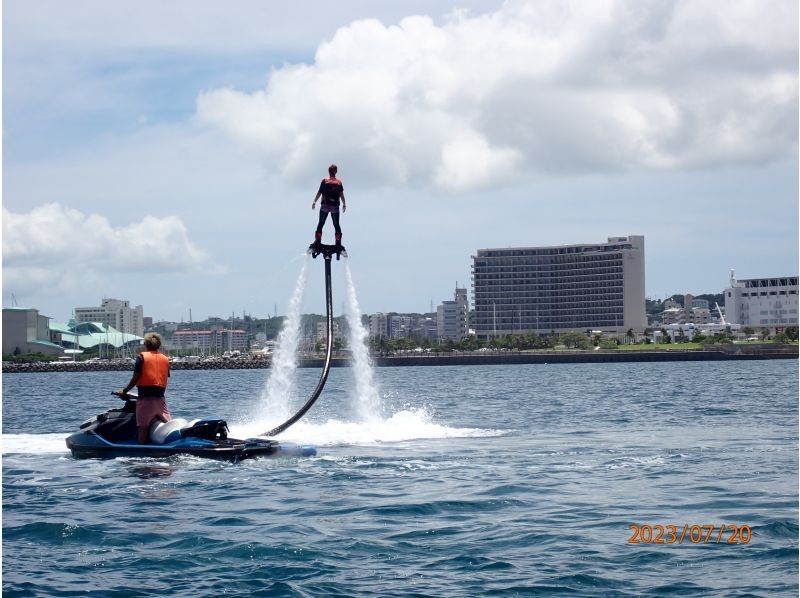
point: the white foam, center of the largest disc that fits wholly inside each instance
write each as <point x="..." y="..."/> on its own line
<point x="404" y="425"/>
<point x="30" y="444"/>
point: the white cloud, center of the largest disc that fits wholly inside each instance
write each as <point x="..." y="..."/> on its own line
<point x="60" y="248"/>
<point x="536" y="87"/>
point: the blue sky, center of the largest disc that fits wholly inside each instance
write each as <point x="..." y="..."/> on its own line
<point x="168" y="153"/>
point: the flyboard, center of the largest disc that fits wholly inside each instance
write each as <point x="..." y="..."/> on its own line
<point x="114" y="433"/>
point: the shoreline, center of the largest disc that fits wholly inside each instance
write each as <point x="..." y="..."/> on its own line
<point x="722" y="353"/>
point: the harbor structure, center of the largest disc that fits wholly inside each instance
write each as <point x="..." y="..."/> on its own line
<point x="769" y="303"/>
<point x="538" y="290"/>
<point x="116" y="313"/>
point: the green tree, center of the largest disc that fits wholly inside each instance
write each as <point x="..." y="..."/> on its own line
<point x="575" y="340"/>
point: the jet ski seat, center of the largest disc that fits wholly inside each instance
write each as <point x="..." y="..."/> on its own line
<point x="165" y="432"/>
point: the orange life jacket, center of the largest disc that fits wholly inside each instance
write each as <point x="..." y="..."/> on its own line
<point x="155" y="369"/>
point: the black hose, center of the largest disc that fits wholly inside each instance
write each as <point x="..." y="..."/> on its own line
<point x="328" y="353"/>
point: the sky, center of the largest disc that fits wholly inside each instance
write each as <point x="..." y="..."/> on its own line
<point x="167" y="153"/>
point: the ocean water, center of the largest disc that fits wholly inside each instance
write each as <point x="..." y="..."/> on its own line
<point x="474" y="481"/>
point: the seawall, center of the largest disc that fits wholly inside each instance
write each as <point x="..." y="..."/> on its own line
<point x="722" y="353"/>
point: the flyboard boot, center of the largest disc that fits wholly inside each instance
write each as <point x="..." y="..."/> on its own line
<point x="316" y="244"/>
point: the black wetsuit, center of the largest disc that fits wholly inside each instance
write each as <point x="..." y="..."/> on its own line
<point x="331" y="190"/>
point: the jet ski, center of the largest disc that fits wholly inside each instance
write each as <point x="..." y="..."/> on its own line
<point x="114" y="434"/>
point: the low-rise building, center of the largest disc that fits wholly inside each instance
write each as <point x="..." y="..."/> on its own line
<point x="693" y="311"/>
<point x="90" y="335"/>
<point x="769" y="303"/>
<point x="25" y="330"/>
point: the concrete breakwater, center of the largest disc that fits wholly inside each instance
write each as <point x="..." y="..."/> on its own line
<point x="127" y="366"/>
<point x="723" y="352"/>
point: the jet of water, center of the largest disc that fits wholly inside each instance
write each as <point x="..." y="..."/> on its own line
<point x="367" y="399"/>
<point x="277" y="393"/>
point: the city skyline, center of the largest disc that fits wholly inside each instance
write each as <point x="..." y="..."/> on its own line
<point x="172" y="162"/>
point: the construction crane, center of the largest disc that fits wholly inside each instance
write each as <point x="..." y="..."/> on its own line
<point x="721" y="316"/>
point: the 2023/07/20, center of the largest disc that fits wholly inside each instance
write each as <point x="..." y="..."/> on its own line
<point x="694" y="534"/>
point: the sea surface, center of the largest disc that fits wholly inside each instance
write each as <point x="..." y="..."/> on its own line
<point x="472" y="481"/>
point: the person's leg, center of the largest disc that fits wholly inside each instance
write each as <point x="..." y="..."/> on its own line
<point x="144" y="434"/>
<point x="336" y="227"/>
<point x="323" y="216"/>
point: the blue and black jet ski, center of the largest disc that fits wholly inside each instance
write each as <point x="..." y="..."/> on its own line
<point x="114" y="434"/>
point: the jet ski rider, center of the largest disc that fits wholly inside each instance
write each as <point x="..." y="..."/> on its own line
<point x="331" y="190"/>
<point x="150" y="374"/>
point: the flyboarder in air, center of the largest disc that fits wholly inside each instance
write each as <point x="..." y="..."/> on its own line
<point x="331" y="190"/>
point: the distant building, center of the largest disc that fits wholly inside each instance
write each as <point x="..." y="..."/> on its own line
<point x="693" y="311"/>
<point x="206" y="341"/>
<point x="25" y="330"/>
<point x="90" y="335"/>
<point x="451" y="317"/>
<point x="116" y="313"/>
<point x="400" y="326"/>
<point x="321" y="335"/>
<point x="379" y="326"/>
<point x="532" y="290"/>
<point x="762" y="302"/>
<point x="426" y="326"/>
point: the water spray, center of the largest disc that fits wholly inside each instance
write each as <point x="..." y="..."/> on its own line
<point x="327" y="251"/>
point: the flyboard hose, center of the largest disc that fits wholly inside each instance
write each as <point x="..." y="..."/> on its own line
<point x="327" y="251"/>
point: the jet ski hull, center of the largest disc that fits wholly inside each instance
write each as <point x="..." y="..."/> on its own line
<point x="91" y="446"/>
<point x="114" y="434"/>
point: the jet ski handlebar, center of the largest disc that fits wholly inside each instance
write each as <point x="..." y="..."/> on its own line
<point x="125" y="396"/>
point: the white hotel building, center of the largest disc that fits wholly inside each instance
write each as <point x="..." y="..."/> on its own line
<point x="116" y="313"/>
<point x="762" y="302"/>
<point x="535" y="290"/>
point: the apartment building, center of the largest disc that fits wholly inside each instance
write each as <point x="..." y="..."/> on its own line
<point x="206" y="341"/>
<point x="452" y="317"/>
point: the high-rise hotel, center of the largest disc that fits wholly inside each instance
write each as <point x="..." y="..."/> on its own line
<point x="536" y="290"/>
